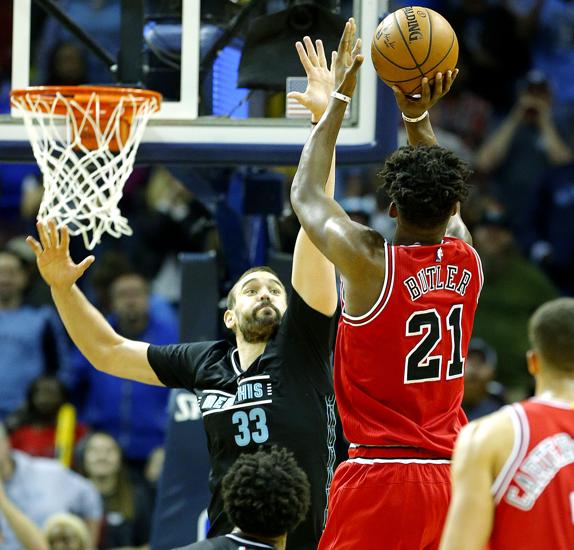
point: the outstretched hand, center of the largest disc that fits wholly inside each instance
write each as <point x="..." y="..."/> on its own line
<point x="414" y="107"/>
<point x="348" y="60"/>
<point x="320" y="78"/>
<point x="53" y="256"/>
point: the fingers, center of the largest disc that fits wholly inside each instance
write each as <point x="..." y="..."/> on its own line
<point x="307" y="65"/>
<point x="311" y="53"/>
<point x="65" y="239"/>
<point x="85" y="263"/>
<point x="438" y="85"/>
<point x="425" y="91"/>
<point x="43" y="234"/>
<point x="357" y="48"/>
<point x="54" y="237"/>
<point x="345" y="38"/>
<point x="357" y="62"/>
<point x="34" y="245"/>
<point x="321" y="53"/>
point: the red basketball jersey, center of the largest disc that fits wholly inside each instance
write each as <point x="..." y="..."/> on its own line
<point x="399" y="368"/>
<point x="534" y="492"/>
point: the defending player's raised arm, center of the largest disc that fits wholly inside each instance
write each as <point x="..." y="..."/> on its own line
<point x="313" y="275"/>
<point x="481" y="450"/>
<point x="345" y="243"/>
<point x="102" y="346"/>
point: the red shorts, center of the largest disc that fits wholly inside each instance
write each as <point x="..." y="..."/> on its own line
<point x="387" y="506"/>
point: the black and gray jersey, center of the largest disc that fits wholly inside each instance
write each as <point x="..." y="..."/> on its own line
<point x="284" y="398"/>
<point x="228" y="542"/>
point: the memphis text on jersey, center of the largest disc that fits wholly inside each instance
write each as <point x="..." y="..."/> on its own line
<point x="438" y="277"/>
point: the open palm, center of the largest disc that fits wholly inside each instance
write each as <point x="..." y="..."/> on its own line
<point x="320" y="78"/>
<point x="53" y="256"/>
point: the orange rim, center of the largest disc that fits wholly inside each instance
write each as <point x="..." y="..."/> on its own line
<point x="107" y="95"/>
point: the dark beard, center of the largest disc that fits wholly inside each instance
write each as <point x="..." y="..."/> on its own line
<point x="260" y="329"/>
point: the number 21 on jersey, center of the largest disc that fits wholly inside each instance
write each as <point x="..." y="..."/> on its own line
<point x="420" y="366"/>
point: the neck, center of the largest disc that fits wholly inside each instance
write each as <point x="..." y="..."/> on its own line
<point x="555" y="387"/>
<point x="280" y="542"/>
<point x="105" y="485"/>
<point x="406" y="234"/>
<point x="248" y="353"/>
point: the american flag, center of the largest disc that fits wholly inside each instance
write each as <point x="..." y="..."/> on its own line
<point x="293" y="109"/>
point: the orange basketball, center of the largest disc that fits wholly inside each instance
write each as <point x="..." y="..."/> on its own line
<point x="410" y="43"/>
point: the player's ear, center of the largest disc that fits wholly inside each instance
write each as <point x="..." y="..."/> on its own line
<point x="393" y="210"/>
<point x="229" y="319"/>
<point x="532" y="362"/>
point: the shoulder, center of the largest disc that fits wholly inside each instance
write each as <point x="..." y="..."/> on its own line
<point x="487" y="439"/>
<point x="191" y="351"/>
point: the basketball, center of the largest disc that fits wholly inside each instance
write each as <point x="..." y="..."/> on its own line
<point x="410" y="43"/>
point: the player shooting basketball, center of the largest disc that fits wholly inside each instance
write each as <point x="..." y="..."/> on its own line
<point x="406" y="324"/>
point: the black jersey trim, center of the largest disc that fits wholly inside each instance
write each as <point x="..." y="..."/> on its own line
<point x="234" y="363"/>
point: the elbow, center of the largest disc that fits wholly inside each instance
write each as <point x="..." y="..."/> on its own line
<point x="296" y="197"/>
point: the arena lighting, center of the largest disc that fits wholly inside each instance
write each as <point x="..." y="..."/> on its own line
<point x="269" y="56"/>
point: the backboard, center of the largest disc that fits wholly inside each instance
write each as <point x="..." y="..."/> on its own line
<point x="223" y="67"/>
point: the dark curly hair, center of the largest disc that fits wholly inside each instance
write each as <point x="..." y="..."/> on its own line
<point x="266" y="493"/>
<point x="425" y="182"/>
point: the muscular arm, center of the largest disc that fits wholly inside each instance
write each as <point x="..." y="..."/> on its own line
<point x="481" y="450"/>
<point x="313" y="275"/>
<point x="102" y="346"/>
<point x="345" y="243"/>
<point x="96" y="339"/>
<point x="421" y="132"/>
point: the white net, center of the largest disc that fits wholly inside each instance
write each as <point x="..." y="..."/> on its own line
<point x="85" y="148"/>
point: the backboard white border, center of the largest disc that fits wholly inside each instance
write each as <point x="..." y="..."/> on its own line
<point x="177" y="122"/>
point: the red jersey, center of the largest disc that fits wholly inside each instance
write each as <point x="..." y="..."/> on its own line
<point x="399" y="368"/>
<point x="534" y="492"/>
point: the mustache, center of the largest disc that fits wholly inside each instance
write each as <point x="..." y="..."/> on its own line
<point x="266" y="303"/>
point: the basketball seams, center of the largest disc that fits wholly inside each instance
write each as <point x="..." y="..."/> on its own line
<point x="406" y="44"/>
<point x="375" y="45"/>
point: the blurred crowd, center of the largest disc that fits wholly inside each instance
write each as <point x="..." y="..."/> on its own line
<point x="510" y="114"/>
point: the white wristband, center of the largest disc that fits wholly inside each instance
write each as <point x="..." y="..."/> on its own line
<point x="341" y="97"/>
<point x="417" y="119"/>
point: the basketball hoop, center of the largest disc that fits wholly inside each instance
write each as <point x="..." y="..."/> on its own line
<point x="85" y="140"/>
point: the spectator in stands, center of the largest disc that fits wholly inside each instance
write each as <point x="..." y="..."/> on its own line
<point x="31" y="339"/>
<point x="66" y="66"/>
<point x="549" y="25"/>
<point x="128" y="505"/>
<point x="134" y="414"/>
<point x="482" y="395"/>
<point x="524" y="146"/>
<point x="515" y="288"/>
<point x="549" y="231"/>
<point x="40" y="488"/>
<point x="61" y="531"/>
<point x="491" y="48"/>
<point x="33" y="427"/>
<point x="265" y="495"/>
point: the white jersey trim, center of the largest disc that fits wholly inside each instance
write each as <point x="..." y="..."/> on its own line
<point x="234" y="362"/>
<point x="553" y="403"/>
<point x="517" y="454"/>
<point x="250" y="542"/>
<point x="387" y="289"/>
<point x="371" y="461"/>
<point x="480" y="271"/>
<point x="238" y="406"/>
<point x="381" y="295"/>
